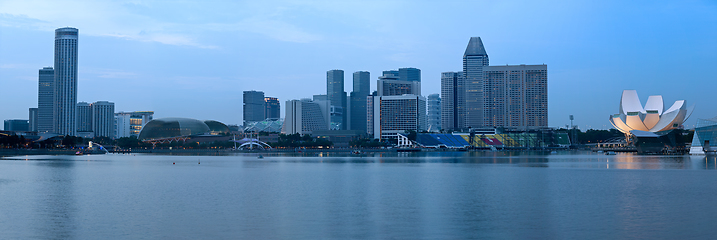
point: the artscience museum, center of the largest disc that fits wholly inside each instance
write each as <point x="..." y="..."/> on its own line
<point x="650" y="127"/>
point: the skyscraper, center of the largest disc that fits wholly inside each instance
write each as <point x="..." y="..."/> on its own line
<point x="45" y="99"/>
<point x="254" y="106"/>
<point x="103" y="119"/>
<point x="129" y="124"/>
<point x="433" y="114"/>
<point x="65" y="84"/>
<point x="452" y="101"/>
<point x="403" y="81"/>
<point x="474" y="59"/>
<point x="516" y="96"/>
<point x="32" y="114"/>
<point x="337" y="96"/>
<point x="84" y="117"/>
<point x="361" y="90"/>
<point x="273" y="108"/>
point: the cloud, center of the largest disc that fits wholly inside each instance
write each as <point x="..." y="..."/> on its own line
<point x="272" y="28"/>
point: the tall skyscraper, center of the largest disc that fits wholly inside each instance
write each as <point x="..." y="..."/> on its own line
<point x="474" y="59"/>
<point x="32" y="114"/>
<point x="361" y="91"/>
<point x="516" y="96"/>
<point x="337" y="96"/>
<point x="103" y="119"/>
<point x="273" y="108"/>
<point x="45" y="99"/>
<point x="65" y="84"/>
<point x="84" y="117"/>
<point x="254" y="106"/>
<point x="452" y="101"/>
<point x="433" y="114"/>
<point x="482" y="96"/>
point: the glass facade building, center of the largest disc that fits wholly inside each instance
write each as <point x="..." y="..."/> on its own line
<point x="474" y="59"/>
<point x="84" y="117"/>
<point x="336" y="94"/>
<point x="45" y="99"/>
<point x="273" y="108"/>
<point x="254" y="106"/>
<point x="361" y="90"/>
<point x="433" y="114"/>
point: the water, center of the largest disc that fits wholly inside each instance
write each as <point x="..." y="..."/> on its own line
<point x="462" y="195"/>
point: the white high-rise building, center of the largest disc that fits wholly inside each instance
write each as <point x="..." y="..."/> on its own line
<point x="396" y="114"/>
<point x="103" y="119"/>
<point x="129" y="124"/>
<point x="305" y="116"/>
<point x="65" y="84"/>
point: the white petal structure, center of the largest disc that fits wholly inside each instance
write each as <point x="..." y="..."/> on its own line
<point x="652" y="118"/>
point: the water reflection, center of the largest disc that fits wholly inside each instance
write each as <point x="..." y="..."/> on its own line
<point x="55" y="209"/>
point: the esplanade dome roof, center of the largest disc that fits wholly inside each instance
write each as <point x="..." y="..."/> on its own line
<point x="172" y="127"/>
<point x="216" y="127"/>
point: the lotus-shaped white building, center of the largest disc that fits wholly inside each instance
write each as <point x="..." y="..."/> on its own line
<point x="652" y="118"/>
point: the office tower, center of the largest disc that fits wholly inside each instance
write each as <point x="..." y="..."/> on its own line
<point x="32" y="114"/>
<point x="16" y="125"/>
<point x="409" y="74"/>
<point x="84" y="117"/>
<point x="103" y="119"/>
<point x="433" y="114"/>
<point x="361" y="91"/>
<point x="273" y="108"/>
<point x="390" y="83"/>
<point x="45" y="99"/>
<point x="452" y="101"/>
<point x="516" y="96"/>
<point x="65" y="84"/>
<point x="305" y="116"/>
<point x="336" y="94"/>
<point x="128" y="124"/>
<point x="321" y="97"/>
<point x="254" y="106"/>
<point x="474" y="59"/>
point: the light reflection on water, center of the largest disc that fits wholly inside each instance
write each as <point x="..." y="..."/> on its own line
<point x="449" y="195"/>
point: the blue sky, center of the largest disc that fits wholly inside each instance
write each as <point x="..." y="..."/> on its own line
<point x="194" y="58"/>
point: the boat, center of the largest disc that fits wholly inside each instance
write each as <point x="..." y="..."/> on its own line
<point x="610" y="153"/>
<point x="260" y="156"/>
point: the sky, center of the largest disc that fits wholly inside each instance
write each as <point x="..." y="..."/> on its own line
<point x="195" y="58"/>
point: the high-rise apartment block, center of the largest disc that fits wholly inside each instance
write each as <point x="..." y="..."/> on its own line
<point x="103" y="119"/>
<point x="128" y="124"/>
<point x="84" y="117"/>
<point x="433" y="114"/>
<point x="65" y="84"/>
<point x="483" y="96"/>
<point x="45" y="99"/>
<point x="273" y="108"/>
<point x="361" y="91"/>
<point x="337" y="96"/>
<point x="305" y="116"/>
<point x="254" y="106"/>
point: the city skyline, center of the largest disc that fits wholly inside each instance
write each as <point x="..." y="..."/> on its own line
<point x="594" y="51"/>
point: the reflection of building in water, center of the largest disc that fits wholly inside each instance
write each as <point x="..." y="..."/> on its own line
<point x="705" y="137"/>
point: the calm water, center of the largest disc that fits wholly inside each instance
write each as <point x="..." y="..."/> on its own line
<point x="337" y="196"/>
